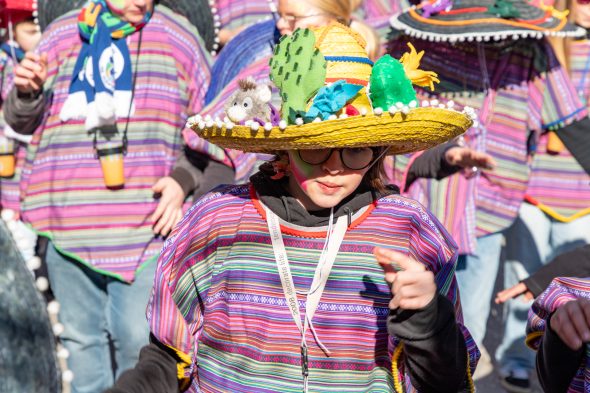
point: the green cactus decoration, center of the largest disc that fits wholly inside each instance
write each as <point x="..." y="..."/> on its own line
<point x="389" y="84"/>
<point x="298" y="69"/>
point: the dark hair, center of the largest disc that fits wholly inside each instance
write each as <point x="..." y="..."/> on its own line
<point x="375" y="175"/>
<point x="373" y="178"/>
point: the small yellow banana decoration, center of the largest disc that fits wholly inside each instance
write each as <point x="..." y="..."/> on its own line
<point x="411" y="62"/>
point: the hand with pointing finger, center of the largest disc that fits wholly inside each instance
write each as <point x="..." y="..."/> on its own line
<point x="412" y="286"/>
<point x="31" y="73"/>
<point x="513" y="292"/>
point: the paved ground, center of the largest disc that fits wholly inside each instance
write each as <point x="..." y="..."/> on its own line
<point x="491" y="383"/>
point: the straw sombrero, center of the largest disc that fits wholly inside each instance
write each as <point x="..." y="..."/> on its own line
<point x="483" y="20"/>
<point x="334" y="96"/>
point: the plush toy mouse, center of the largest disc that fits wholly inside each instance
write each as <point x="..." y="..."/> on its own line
<point x="250" y="102"/>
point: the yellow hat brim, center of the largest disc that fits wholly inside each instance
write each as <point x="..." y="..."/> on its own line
<point x="420" y="129"/>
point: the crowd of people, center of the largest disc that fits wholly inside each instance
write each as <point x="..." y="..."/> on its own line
<point x="313" y="195"/>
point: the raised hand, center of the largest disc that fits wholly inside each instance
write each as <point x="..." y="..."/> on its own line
<point x="466" y="157"/>
<point x="514" y="291"/>
<point x="571" y="322"/>
<point x="31" y="73"/>
<point x="412" y="286"/>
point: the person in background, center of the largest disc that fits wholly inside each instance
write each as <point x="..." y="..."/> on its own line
<point x="555" y="217"/>
<point x="575" y="263"/>
<point x="106" y="175"/>
<point x="512" y="84"/>
<point x="22" y="35"/>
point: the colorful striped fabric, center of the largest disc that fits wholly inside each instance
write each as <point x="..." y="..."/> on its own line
<point x="250" y="45"/>
<point x="235" y="14"/>
<point x="526" y="79"/>
<point x="245" y="164"/>
<point x="9" y="187"/>
<point x="579" y="68"/>
<point x="559" y="292"/>
<point x="65" y="197"/>
<point x="376" y="13"/>
<point x="218" y="296"/>
<point x="557" y="180"/>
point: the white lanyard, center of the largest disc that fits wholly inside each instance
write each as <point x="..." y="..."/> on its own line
<point x="333" y="240"/>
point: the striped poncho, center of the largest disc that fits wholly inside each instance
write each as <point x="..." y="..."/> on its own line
<point x="9" y="187"/>
<point x="558" y="184"/>
<point x="529" y="92"/>
<point x="218" y="296"/>
<point x="559" y="292"/>
<point x="236" y="14"/>
<point x="64" y="193"/>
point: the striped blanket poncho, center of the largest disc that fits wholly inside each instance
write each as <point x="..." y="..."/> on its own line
<point x="515" y="90"/>
<point x="62" y="183"/>
<point x="218" y="296"/>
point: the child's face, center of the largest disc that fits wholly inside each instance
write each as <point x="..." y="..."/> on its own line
<point x="132" y="11"/>
<point x="323" y="185"/>
<point x="581" y="13"/>
<point x="27" y="35"/>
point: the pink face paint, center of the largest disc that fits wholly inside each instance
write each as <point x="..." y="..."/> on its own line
<point x="116" y="6"/>
<point x="301" y="171"/>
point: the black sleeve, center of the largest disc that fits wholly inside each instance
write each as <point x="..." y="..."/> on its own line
<point x="432" y="164"/>
<point x="576" y="138"/>
<point x="155" y="372"/>
<point x="197" y="173"/>
<point x="557" y="363"/>
<point x="24" y="113"/>
<point x="434" y="346"/>
<point x="186" y="173"/>
<point x="575" y="263"/>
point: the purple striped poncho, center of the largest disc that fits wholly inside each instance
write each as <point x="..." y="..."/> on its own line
<point x="557" y="181"/>
<point x="236" y="14"/>
<point x="560" y="291"/>
<point x="9" y="187"/>
<point x="376" y="13"/>
<point x="64" y="193"/>
<point x="524" y="80"/>
<point x="218" y="296"/>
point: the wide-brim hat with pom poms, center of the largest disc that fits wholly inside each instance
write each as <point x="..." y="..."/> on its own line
<point x="483" y="20"/>
<point x="334" y="96"/>
<point x="198" y="12"/>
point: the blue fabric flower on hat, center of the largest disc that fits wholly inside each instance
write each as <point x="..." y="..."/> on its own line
<point x="330" y="99"/>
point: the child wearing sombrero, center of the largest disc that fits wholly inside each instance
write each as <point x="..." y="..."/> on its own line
<point x="279" y="285"/>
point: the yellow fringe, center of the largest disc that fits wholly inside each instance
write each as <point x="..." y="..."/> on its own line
<point x="470" y="377"/>
<point x="552" y="213"/>
<point x="532" y="336"/>
<point x="397" y="382"/>
<point x="185" y="361"/>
